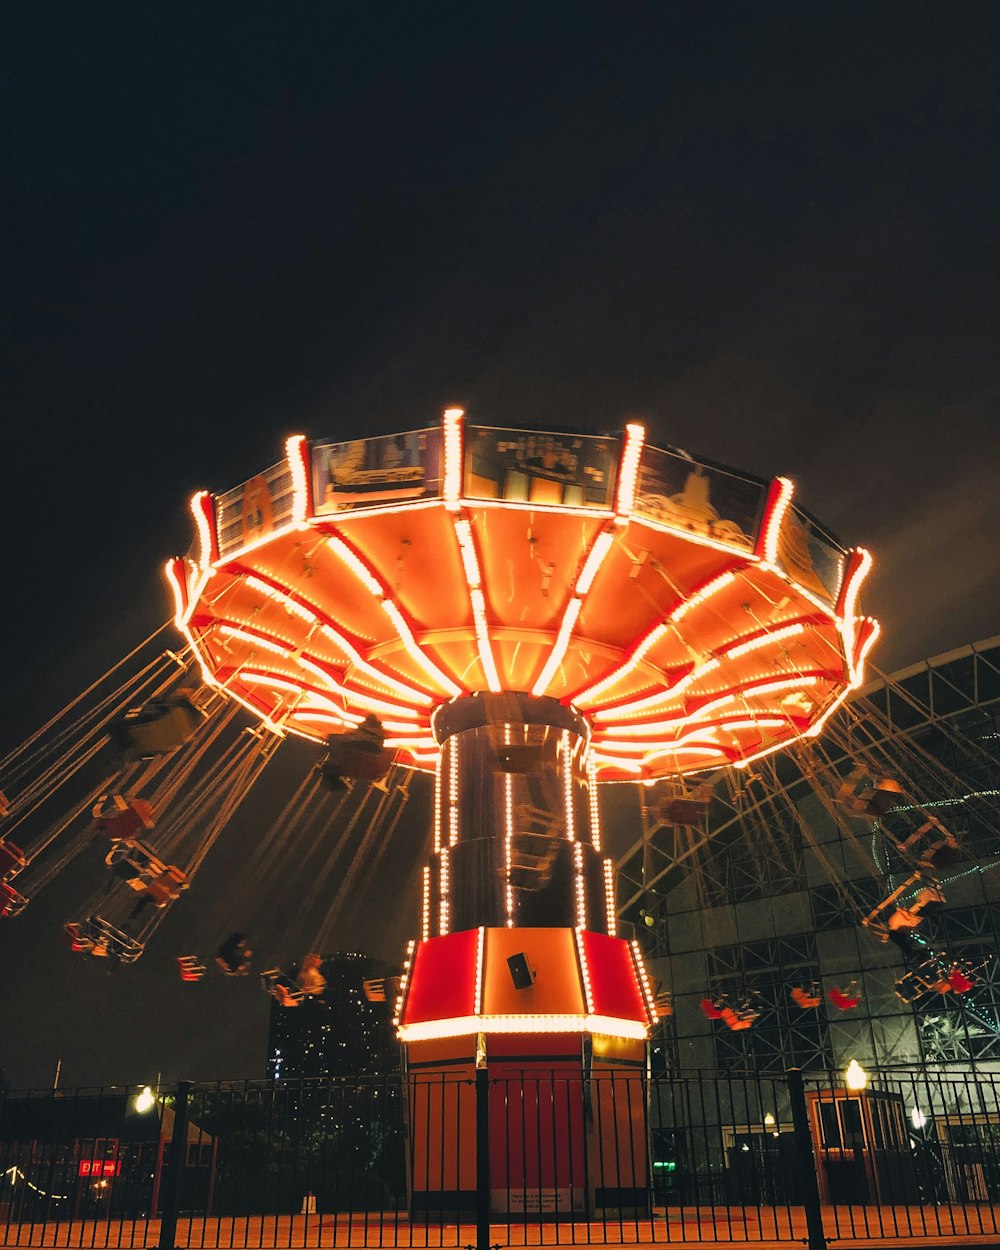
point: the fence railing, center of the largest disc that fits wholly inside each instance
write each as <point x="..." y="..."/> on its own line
<point x="551" y="1153"/>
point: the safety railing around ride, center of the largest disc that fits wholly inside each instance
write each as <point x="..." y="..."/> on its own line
<point x="543" y="1154"/>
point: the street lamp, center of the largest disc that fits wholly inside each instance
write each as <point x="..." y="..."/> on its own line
<point x="855" y="1076"/>
<point x="145" y="1100"/>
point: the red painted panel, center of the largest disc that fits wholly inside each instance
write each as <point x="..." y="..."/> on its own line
<point x="613" y="981"/>
<point x="443" y="978"/>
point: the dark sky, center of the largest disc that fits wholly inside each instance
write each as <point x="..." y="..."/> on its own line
<point x="768" y="230"/>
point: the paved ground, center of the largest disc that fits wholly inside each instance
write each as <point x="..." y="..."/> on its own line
<point x="845" y="1227"/>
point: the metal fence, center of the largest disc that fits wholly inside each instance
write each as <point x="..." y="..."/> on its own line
<point x="474" y="1158"/>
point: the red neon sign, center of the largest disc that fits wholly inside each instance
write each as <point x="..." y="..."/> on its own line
<point x="100" y="1167"/>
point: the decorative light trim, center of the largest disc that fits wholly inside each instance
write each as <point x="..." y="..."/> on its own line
<point x="628" y="470"/>
<point x="580" y="887"/>
<point x="508" y="804"/>
<point x="173" y="571"/>
<point x="453" y="791"/>
<point x="581" y="954"/>
<point x="559" y="648"/>
<point x="425" y="904"/>
<point x="438" y="800"/>
<point x="763" y="639"/>
<point x="357" y="566"/>
<point x="867" y="636"/>
<point x="312" y="616"/>
<point x="460" y="1026"/>
<point x="595" y="558"/>
<point x="595" y="809"/>
<point x="859" y="566"/>
<point x="706" y="591"/>
<point x="568" y="786"/>
<point x="779" y="496"/>
<point x="203" y="511"/>
<point x="403" y="982"/>
<point x="609" y="898"/>
<point x="415" y="652"/>
<point x="591" y="693"/>
<point x="444" y="917"/>
<point x="480" y="947"/>
<point x="729" y="724"/>
<point x="297" y="455"/>
<point x="647" y="991"/>
<point x="452" y="487"/>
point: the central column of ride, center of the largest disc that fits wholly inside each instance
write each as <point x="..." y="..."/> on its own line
<point x="519" y="967"/>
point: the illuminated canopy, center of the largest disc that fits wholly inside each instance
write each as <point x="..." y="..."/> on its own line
<point x="692" y="615"/>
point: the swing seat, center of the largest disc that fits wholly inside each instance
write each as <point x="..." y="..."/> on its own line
<point x="12" y="858"/>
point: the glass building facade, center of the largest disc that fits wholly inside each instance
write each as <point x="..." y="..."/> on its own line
<point x="775" y="884"/>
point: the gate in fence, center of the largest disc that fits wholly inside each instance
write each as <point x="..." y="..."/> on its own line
<point x="517" y="1158"/>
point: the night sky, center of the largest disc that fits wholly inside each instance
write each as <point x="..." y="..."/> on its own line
<point x="766" y="230"/>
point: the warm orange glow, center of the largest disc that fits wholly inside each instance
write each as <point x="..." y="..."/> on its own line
<point x="452" y="490"/>
<point x="558" y="652"/>
<point x="778" y="499"/>
<point x="203" y="511"/>
<point x="581" y="955"/>
<point x="647" y="991"/>
<point x="462" y="1026"/>
<point x="609" y="897"/>
<point x="628" y="471"/>
<point x="297" y="455"/>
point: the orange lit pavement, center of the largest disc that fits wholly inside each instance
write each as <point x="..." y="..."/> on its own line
<point x="845" y="1227"/>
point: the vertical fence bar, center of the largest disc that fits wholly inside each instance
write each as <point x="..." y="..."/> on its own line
<point x="482" y="1157"/>
<point x="806" y="1161"/>
<point x="170" y="1191"/>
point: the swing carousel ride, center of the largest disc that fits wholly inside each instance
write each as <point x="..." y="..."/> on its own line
<point x="524" y="616"/>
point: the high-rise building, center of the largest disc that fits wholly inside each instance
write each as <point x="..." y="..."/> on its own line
<point x="339" y="1032"/>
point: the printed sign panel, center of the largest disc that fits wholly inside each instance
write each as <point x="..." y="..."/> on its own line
<point x="528" y="466"/>
<point x="254" y="509"/>
<point x="809" y="556"/>
<point x="678" y="491"/>
<point x="370" y="471"/>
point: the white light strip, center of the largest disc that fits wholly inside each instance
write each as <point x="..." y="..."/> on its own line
<point x="453" y="790"/>
<point x="595" y="809"/>
<point x="461" y="1026"/>
<point x="591" y="693"/>
<point x="255" y="640"/>
<point x="628" y="470"/>
<point x="781" y="497"/>
<point x="709" y="589"/>
<point x="595" y="558"/>
<point x="609" y="898"/>
<point x="201" y="504"/>
<point x="857" y="661"/>
<point x="633" y="744"/>
<point x="279" y="594"/>
<point x="581" y="891"/>
<point x="568" y="787"/>
<point x="653" y="702"/>
<point x="483" y="640"/>
<point x="452" y="488"/>
<point x="508" y="804"/>
<point x="647" y="991"/>
<point x="425" y="909"/>
<point x="357" y="566"/>
<point x="752" y="689"/>
<point x="763" y="640"/>
<point x="414" y="651"/>
<point x="438" y="800"/>
<point x="444" y="919"/>
<point x="296" y="453"/>
<point x="480" y="944"/>
<point x="403" y="981"/>
<point x="581" y="954"/>
<point x="559" y="648"/>
<point x="862" y="563"/>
